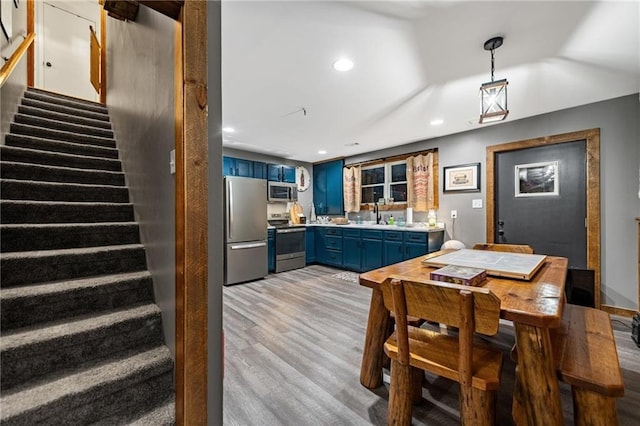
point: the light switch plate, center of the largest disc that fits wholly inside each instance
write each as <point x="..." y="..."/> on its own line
<point x="476" y="204"/>
<point x="172" y="162"/>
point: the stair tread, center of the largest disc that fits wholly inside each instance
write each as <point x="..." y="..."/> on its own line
<point x="68" y="252"/>
<point x="36" y="103"/>
<point x="62" y="184"/>
<point x="162" y="415"/>
<point x="64" y="96"/>
<point x="62" y="154"/>
<point x="61" y="116"/>
<point x="113" y="373"/>
<point x="49" y="124"/>
<point x="66" y="286"/>
<point x="68" y="225"/>
<point x="61" y="168"/>
<point x="62" y="329"/>
<point x="58" y="98"/>
<point x="62" y="143"/>
<point x="62" y="203"/>
<point x="19" y="128"/>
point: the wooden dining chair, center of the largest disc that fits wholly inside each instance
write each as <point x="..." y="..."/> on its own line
<point x="507" y="248"/>
<point x="474" y="366"/>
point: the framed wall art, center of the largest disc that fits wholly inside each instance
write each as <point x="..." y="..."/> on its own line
<point x="462" y="178"/>
<point x="537" y="179"/>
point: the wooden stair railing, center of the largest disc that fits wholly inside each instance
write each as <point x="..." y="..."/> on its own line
<point x="9" y="66"/>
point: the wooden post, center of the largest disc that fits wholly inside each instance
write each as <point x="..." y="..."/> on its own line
<point x="191" y="214"/>
<point x="31" y="51"/>
<point x="373" y="354"/>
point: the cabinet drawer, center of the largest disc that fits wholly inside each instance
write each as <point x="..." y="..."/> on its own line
<point x="333" y="242"/>
<point x="333" y="257"/>
<point x="333" y="231"/>
<point x="415" y="237"/>
<point x="355" y="233"/>
<point x="372" y="235"/>
<point x="393" y="235"/>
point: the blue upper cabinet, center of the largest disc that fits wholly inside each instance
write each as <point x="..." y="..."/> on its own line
<point x="327" y="188"/>
<point x="281" y="173"/>
<point x="232" y="166"/>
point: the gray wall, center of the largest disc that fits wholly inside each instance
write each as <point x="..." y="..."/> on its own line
<point x="619" y="123"/>
<point x="12" y="89"/>
<point x="140" y="100"/>
<point x="216" y="244"/>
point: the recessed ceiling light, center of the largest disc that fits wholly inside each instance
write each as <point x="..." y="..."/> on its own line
<point x="322" y="152"/>
<point x="343" y="64"/>
<point x="228" y="129"/>
<point x="436" y="122"/>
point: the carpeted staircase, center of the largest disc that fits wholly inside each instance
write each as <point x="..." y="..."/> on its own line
<point x="81" y="337"/>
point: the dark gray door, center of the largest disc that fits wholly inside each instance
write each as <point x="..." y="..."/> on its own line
<point x="527" y="210"/>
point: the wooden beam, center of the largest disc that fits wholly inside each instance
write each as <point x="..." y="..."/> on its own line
<point x="191" y="214"/>
<point x="103" y="56"/>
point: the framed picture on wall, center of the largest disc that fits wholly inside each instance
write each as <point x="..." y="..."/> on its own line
<point x="462" y="178"/>
<point x="537" y="179"/>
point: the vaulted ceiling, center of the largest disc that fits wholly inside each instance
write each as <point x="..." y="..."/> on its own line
<point x="414" y="62"/>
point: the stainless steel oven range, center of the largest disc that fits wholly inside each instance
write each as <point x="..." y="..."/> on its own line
<point x="290" y="243"/>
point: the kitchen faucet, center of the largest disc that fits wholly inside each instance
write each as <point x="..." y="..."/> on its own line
<point x="376" y="213"/>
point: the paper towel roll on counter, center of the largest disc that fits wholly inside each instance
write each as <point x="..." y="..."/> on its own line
<point x="409" y="215"/>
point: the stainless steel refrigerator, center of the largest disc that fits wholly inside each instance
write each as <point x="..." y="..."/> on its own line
<point x="245" y="229"/>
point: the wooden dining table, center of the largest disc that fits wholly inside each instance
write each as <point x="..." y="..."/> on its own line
<point x="535" y="307"/>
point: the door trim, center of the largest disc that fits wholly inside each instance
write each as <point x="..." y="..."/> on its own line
<point x="592" y="138"/>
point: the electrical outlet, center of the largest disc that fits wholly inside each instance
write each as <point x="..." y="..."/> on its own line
<point x="454" y="214"/>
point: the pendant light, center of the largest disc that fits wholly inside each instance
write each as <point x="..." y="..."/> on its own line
<point x="493" y="94"/>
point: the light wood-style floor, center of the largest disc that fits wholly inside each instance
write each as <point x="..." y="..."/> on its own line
<point x="293" y="350"/>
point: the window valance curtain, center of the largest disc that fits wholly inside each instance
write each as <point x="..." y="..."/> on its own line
<point x="420" y="190"/>
<point x="352" y="185"/>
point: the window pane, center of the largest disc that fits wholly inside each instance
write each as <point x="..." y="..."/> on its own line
<point x="399" y="192"/>
<point x="371" y="194"/>
<point x="373" y="176"/>
<point x="399" y="173"/>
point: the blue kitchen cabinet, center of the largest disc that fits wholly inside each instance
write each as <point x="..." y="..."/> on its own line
<point x="327" y="188"/>
<point x="329" y="246"/>
<point x="371" y="250"/>
<point x="271" y="249"/>
<point x="351" y="249"/>
<point x="310" y="246"/>
<point x="259" y="170"/>
<point x="281" y="173"/>
<point x="415" y="244"/>
<point x="393" y="247"/>
<point x="232" y="166"/>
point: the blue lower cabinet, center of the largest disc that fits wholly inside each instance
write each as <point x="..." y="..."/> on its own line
<point x="271" y="249"/>
<point x="412" y="250"/>
<point x="311" y="245"/>
<point x="393" y="252"/>
<point x="351" y="249"/>
<point x="371" y="252"/>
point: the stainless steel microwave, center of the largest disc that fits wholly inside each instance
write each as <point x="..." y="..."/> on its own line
<point x="282" y="192"/>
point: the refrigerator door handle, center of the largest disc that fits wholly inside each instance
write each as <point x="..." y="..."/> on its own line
<point x="229" y="210"/>
<point x="247" y="246"/>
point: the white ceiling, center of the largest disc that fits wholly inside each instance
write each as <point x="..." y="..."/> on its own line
<point x="415" y="61"/>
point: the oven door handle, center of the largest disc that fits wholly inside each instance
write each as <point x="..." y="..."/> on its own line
<point x="247" y="246"/>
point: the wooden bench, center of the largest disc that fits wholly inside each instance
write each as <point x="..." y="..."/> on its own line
<point x="586" y="357"/>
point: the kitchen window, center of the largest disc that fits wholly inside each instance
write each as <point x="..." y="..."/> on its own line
<point x="386" y="180"/>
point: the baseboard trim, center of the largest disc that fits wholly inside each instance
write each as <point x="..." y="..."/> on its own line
<point x="616" y="310"/>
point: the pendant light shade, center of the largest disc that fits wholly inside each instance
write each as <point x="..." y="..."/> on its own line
<point x="493" y="94"/>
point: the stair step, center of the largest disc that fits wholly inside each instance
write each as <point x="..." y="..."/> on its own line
<point x="59" y="135"/>
<point x="52" y="191"/>
<point x="52" y="145"/>
<point x="36" y="172"/>
<point x="100" y="390"/>
<point x="35" y="156"/>
<point x="31" y="237"/>
<point x="32" y="304"/>
<point x="64" y="109"/>
<point x="59" y="116"/>
<point x="59" y="99"/>
<point x="61" y="212"/>
<point x="162" y="415"/>
<point x="51" y="265"/>
<point x="32" y="352"/>
<point x="61" y="125"/>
